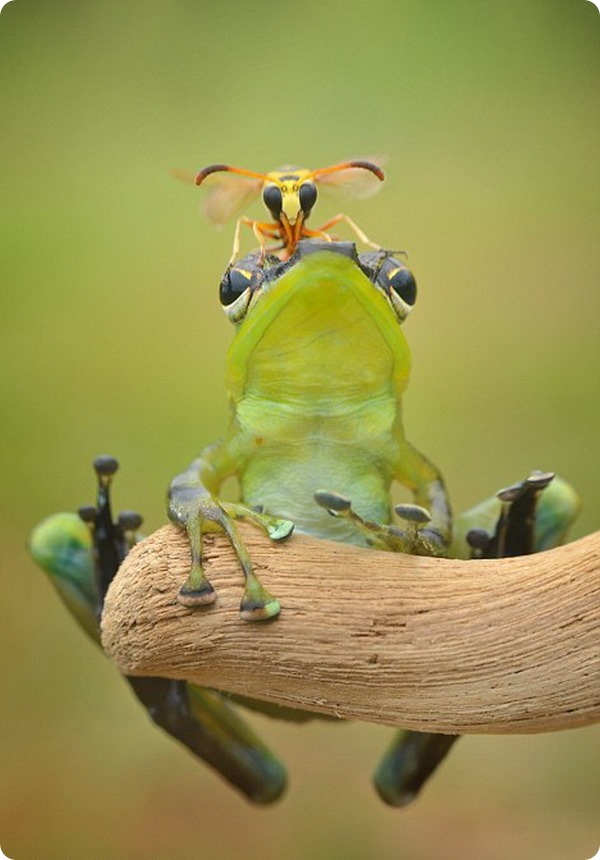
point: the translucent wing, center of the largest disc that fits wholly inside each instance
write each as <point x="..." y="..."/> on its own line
<point x="182" y="175"/>
<point x="353" y="182"/>
<point x="227" y="195"/>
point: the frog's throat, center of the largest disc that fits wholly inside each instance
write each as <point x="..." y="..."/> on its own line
<point x="322" y="330"/>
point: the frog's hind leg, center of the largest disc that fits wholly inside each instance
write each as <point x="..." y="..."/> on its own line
<point x="81" y="554"/>
<point x="206" y="723"/>
<point x="526" y="517"/>
<point x="530" y="516"/>
<point x="409" y="762"/>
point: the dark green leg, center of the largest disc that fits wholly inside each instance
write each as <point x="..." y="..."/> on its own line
<point x="210" y="728"/>
<point x="82" y="563"/>
<point x="413" y="756"/>
<point x="408" y="763"/>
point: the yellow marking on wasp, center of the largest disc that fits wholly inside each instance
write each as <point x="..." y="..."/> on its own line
<point x="289" y="197"/>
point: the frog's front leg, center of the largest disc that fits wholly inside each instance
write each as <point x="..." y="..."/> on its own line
<point x="428" y="521"/>
<point x="193" y="505"/>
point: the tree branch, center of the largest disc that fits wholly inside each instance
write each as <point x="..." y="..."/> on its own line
<point x="500" y="646"/>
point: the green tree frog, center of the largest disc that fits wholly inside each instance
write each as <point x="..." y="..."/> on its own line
<point x="315" y="377"/>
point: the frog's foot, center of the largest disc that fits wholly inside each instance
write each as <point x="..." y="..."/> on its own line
<point x="515" y="529"/>
<point x="257" y="603"/>
<point x="415" y="539"/>
<point x="199" y="513"/>
<point x="408" y="764"/>
<point x="111" y="540"/>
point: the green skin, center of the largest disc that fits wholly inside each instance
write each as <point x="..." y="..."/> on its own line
<point x="315" y="377"/>
<point x="211" y="729"/>
<point x="316" y="374"/>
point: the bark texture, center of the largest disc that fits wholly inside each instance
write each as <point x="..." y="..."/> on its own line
<point x="502" y="646"/>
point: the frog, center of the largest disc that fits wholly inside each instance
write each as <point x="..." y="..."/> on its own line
<point x="315" y="420"/>
<point x="316" y="375"/>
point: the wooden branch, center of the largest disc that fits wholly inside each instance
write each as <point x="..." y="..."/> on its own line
<point x="501" y="646"/>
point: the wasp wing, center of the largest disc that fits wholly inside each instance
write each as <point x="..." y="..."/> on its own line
<point x="351" y="183"/>
<point x="226" y="194"/>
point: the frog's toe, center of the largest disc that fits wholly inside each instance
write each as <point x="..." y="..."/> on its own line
<point x="480" y="542"/>
<point x="413" y="514"/>
<point x="280" y="529"/>
<point x="333" y="502"/>
<point x="275" y="527"/>
<point x="419" y="539"/>
<point x="253" y="609"/>
<point x="534" y="483"/>
<point x="193" y="595"/>
<point x="432" y="543"/>
<point x="257" y="603"/>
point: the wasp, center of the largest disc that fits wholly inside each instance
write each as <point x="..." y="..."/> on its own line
<point x="289" y="195"/>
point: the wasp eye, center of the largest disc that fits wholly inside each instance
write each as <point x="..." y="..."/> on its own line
<point x="273" y="200"/>
<point x="308" y="196"/>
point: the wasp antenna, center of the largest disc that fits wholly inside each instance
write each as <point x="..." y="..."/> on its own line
<point x="362" y="165"/>
<point x="369" y="165"/>
<point x="206" y="171"/>
<point x="219" y="168"/>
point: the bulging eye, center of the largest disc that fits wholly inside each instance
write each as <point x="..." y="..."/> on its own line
<point x="399" y="285"/>
<point x="402" y="290"/>
<point x="236" y="289"/>
<point x="273" y="200"/>
<point x="308" y="196"/>
<point x="402" y="282"/>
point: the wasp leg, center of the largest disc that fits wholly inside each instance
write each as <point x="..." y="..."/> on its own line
<point x="235" y="250"/>
<point x="337" y="219"/>
<point x="260" y="229"/>
<point x="315" y="234"/>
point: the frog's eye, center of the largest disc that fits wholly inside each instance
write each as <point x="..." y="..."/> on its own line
<point x="400" y="286"/>
<point x="308" y="196"/>
<point x="236" y="288"/>
<point x="273" y="200"/>
<point x="403" y="291"/>
<point x="403" y="284"/>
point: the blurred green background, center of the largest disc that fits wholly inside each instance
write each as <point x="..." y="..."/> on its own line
<point x="113" y="341"/>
